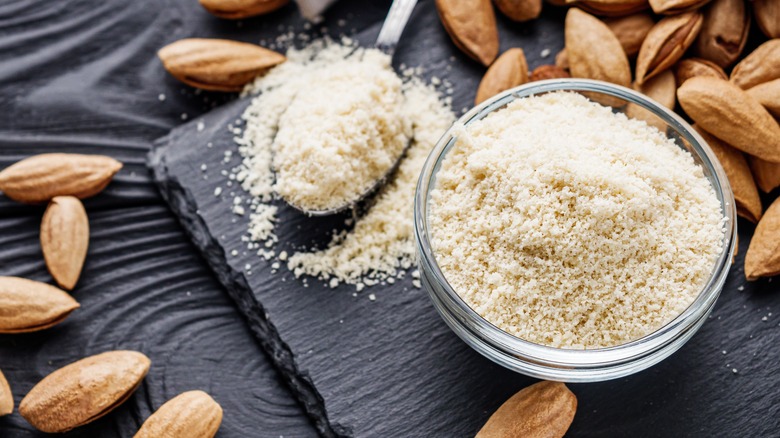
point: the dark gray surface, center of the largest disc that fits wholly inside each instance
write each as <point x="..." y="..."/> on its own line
<point x="391" y="367"/>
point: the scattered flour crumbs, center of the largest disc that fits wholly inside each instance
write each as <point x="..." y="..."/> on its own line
<point x="360" y="114"/>
<point x="603" y="231"/>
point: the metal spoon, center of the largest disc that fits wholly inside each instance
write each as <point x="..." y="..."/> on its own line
<point x="388" y="38"/>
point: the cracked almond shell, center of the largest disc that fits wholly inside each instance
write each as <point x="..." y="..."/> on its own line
<point x="29" y="306"/>
<point x="631" y="30"/>
<point x="6" y="397"/>
<point x="673" y="7"/>
<point x="692" y="67"/>
<point x="763" y="255"/>
<point x="237" y="9"/>
<point x="665" y="44"/>
<point x="508" y="71"/>
<point x="193" y="414"/>
<point x="724" y="32"/>
<point x="610" y="8"/>
<point x="471" y="25"/>
<point x="65" y="239"/>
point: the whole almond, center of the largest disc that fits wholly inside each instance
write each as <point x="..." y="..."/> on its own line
<point x="740" y="178"/>
<point x="666" y="42"/>
<point x="64" y="239"/>
<point x="662" y="89"/>
<point x="217" y="65"/>
<point x="548" y="72"/>
<point x="519" y="10"/>
<point x="29" y="306"/>
<point x="768" y="94"/>
<point x="594" y="52"/>
<point x="692" y="67"/>
<point x="767" y="13"/>
<point x="471" y="25"/>
<point x="193" y="414"/>
<point x="544" y="409"/>
<point x="84" y="391"/>
<point x="724" y="32"/>
<point x="631" y="30"/>
<point x="766" y="174"/>
<point x="762" y="65"/>
<point x="673" y="7"/>
<point x="42" y="177"/>
<point x="763" y="255"/>
<point x="610" y="8"/>
<point x="732" y="115"/>
<point x="6" y="397"/>
<point x="237" y="9"/>
<point x="508" y="71"/>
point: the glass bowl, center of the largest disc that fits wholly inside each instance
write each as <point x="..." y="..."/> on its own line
<point x="570" y="365"/>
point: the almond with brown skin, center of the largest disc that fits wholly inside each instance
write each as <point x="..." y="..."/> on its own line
<point x="731" y="114"/>
<point x="29" y="306"/>
<point x="544" y="409"/>
<point x="631" y="30"/>
<point x="519" y="10"/>
<point x="217" y="65"/>
<point x="763" y="255"/>
<point x="237" y="9"/>
<point x="768" y="94"/>
<point x="6" y="397"/>
<point x="692" y="67"/>
<point x="548" y="72"/>
<point x="662" y="89"/>
<point x="766" y="174"/>
<point x="673" y="7"/>
<point x="740" y="178"/>
<point x="767" y="13"/>
<point x="193" y="414"/>
<point x="762" y="65"/>
<point x="84" y="391"/>
<point x="665" y="44"/>
<point x="64" y="239"/>
<point x="594" y="52"/>
<point x="42" y="177"/>
<point x="509" y="71"/>
<point x="724" y="32"/>
<point x="472" y="26"/>
<point x="610" y="8"/>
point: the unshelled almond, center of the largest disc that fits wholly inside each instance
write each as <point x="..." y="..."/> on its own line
<point x="631" y="30"/>
<point x="767" y="13"/>
<point x="763" y="255"/>
<point x="692" y="67"/>
<point x="472" y="26"/>
<point x="42" y="177"/>
<point x="740" y="177"/>
<point x="724" y="32"/>
<point x="215" y="64"/>
<point x="544" y="409"/>
<point x="593" y="51"/>
<point x="65" y="239"/>
<point x="548" y="72"/>
<point x="237" y="9"/>
<point x="519" y="10"/>
<point x="193" y="414"/>
<point x="731" y="114"/>
<point x="6" y="397"/>
<point x="768" y="94"/>
<point x="662" y="89"/>
<point x="673" y="7"/>
<point x="761" y="65"/>
<point x="766" y="174"/>
<point x="28" y="306"/>
<point x="84" y="391"/>
<point x="610" y="8"/>
<point x="508" y="71"/>
<point x="665" y="44"/>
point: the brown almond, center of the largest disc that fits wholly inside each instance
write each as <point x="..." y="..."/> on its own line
<point x="29" y="306"/>
<point x="732" y="115"/>
<point x="762" y="65"/>
<point x="740" y="178"/>
<point x="471" y="25"/>
<point x="692" y="67"/>
<point x="544" y="409"/>
<point x="666" y="42"/>
<point x="768" y="94"/>
<point x="509" y="71"/>
<point x="193" y="414"/>
<point x="6" y="397"/>
<point x="548" y="72"/>
<point x="673" y="7"/>
<point x="64" y="239"/>
<point x="631" y="30"/>
<point x="594" y="52"/>
<point x="662" y="89"/>
<point x="217" y="65"/>
<point x="766" y="174"/>
<point x="519" y="10"/>
<point x="237" y="9"/>
<point x="724" y="32"/>
<point x="556" y="2"/>
<point x="763" y="255"/>
<point x="767" y="13"/>
<point x="84" y="391"/>
<point x="610" y="8"/>
<point x="42" y="177"/>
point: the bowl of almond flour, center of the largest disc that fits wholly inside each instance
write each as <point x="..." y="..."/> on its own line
<point x="564" y="240"/>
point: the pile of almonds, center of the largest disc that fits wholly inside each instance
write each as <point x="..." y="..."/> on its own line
<point x="674" y="51"/>
<point x="90" y="388"/>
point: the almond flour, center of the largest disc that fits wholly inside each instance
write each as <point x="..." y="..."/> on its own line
<point x="602" y="232"/>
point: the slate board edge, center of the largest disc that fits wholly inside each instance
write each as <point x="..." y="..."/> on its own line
<point x="181" y="202"/>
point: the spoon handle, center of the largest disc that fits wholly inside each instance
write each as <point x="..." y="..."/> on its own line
<point x="394" y="24"/>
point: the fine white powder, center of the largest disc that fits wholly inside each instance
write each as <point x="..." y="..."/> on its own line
<point x="567" y="225"/>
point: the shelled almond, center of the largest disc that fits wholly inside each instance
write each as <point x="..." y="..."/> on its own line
<point x="508" y="71"/>
<point x="64" y="239"/>
<point x="29" y="306"/>
<point x="193" y="414"/>
<point x="237" y="9"/>
<point x="6" y="397"/>
<point x="472" y="26"/>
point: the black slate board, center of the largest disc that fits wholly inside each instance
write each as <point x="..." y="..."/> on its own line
<point x="390" y="367"/>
